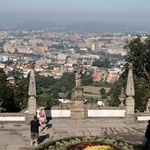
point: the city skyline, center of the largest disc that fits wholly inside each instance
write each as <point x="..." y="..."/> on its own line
<point x="66" y="11"/>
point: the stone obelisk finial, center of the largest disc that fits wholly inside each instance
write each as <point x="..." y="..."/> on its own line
<point x="130" y="104"/>
<point x="130" y="83"/>
<point x="32" y="95"/>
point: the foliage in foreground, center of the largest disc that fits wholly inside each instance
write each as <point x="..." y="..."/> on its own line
<point x="78" y="143"/>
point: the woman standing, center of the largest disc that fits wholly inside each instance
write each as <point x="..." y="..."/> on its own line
<point x="42" y="119"/>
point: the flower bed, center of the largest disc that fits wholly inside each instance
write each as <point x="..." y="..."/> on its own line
<point x="87" y="143"/>
<point x="103" y="147"/>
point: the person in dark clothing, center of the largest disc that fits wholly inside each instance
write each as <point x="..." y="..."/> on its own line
<point x="34" y="129"/>
<point x="147" y="135"/>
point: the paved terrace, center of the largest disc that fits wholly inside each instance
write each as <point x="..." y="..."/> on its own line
<point x="16" y="136"/>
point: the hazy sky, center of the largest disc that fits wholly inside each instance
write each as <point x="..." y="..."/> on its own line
<point x="121" y="11"/>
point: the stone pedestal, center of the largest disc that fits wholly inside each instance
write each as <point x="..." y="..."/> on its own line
<point x="129" y="119"/>
<point x="130" y="104"/>
<point x="32" y="105"/>
<point x="28" y="118"/>
<point x="130" y="115"/>
<point x="31" y="108"/>
<point x="78" y="113"/>
<point x="79" y="92"/>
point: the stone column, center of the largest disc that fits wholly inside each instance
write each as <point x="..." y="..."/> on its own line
<point x="32" y="95"/>
<point x="130" y="104"/>
<point x="78" y="110"/>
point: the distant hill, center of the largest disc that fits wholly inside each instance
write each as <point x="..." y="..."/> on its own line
<point x="37" y="24"/>
<point x="91" y="26"/>
<point x="94" y="26"/>
<point x="88" y="26"/>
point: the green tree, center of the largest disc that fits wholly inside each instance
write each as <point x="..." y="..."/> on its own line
<point x="55" y="95"/>
<point x="6" y="93"/>
<point x="46" y="101"/>
<point x="101" y="63"/>
<point x="20" y="88"/>
<point x="21" y="93"/>
<point x="115" y="91"/>
<point x="138" y="53"/>
<point x="102" y="91"/>
<point x="114" y="101"/>
<point x="69" y="94"/>
<point x="87" y="79"/>
<point x="16" y="74"/>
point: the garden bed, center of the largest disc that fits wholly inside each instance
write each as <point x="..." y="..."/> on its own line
<point x="81" y="143"/>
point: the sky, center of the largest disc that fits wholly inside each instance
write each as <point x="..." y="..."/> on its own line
<point x="68" y="11"/>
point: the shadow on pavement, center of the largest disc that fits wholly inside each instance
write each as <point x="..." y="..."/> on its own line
<point x="48" y="125"/>
<point x="43" y="138"/>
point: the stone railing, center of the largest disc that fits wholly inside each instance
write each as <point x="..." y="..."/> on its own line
<point x="143" y="116"/>
<point x="65" y="112"/>
<point x="12" y="117"/>
<point x="61" y="112"/>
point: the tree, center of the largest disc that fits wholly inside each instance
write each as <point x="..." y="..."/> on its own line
<point x="46" y="101"/>
<point x="6" y="93"/>
<point x="101" y="63"/>
<point x="21" y="93"/>
<point x="87" y="79"/>
<point x="20" y="88"/>
<point x="55" y="95"/>
<point x="114" y="101"/>
<point x="138" y="53"/>
<point x="102" y="91"/>
<point x="17" y="75"/>
<point x="115" y="91"/>
<point x="69" y="94"/>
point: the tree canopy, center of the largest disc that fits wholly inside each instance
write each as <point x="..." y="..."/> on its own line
<point x="101" y="63"/>
<point x="6" y="93"/>
<point x="138" y="53"/>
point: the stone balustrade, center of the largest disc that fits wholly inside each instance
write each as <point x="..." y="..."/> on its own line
<point x="12" y="117"/>
<point x="110" y="112"/>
